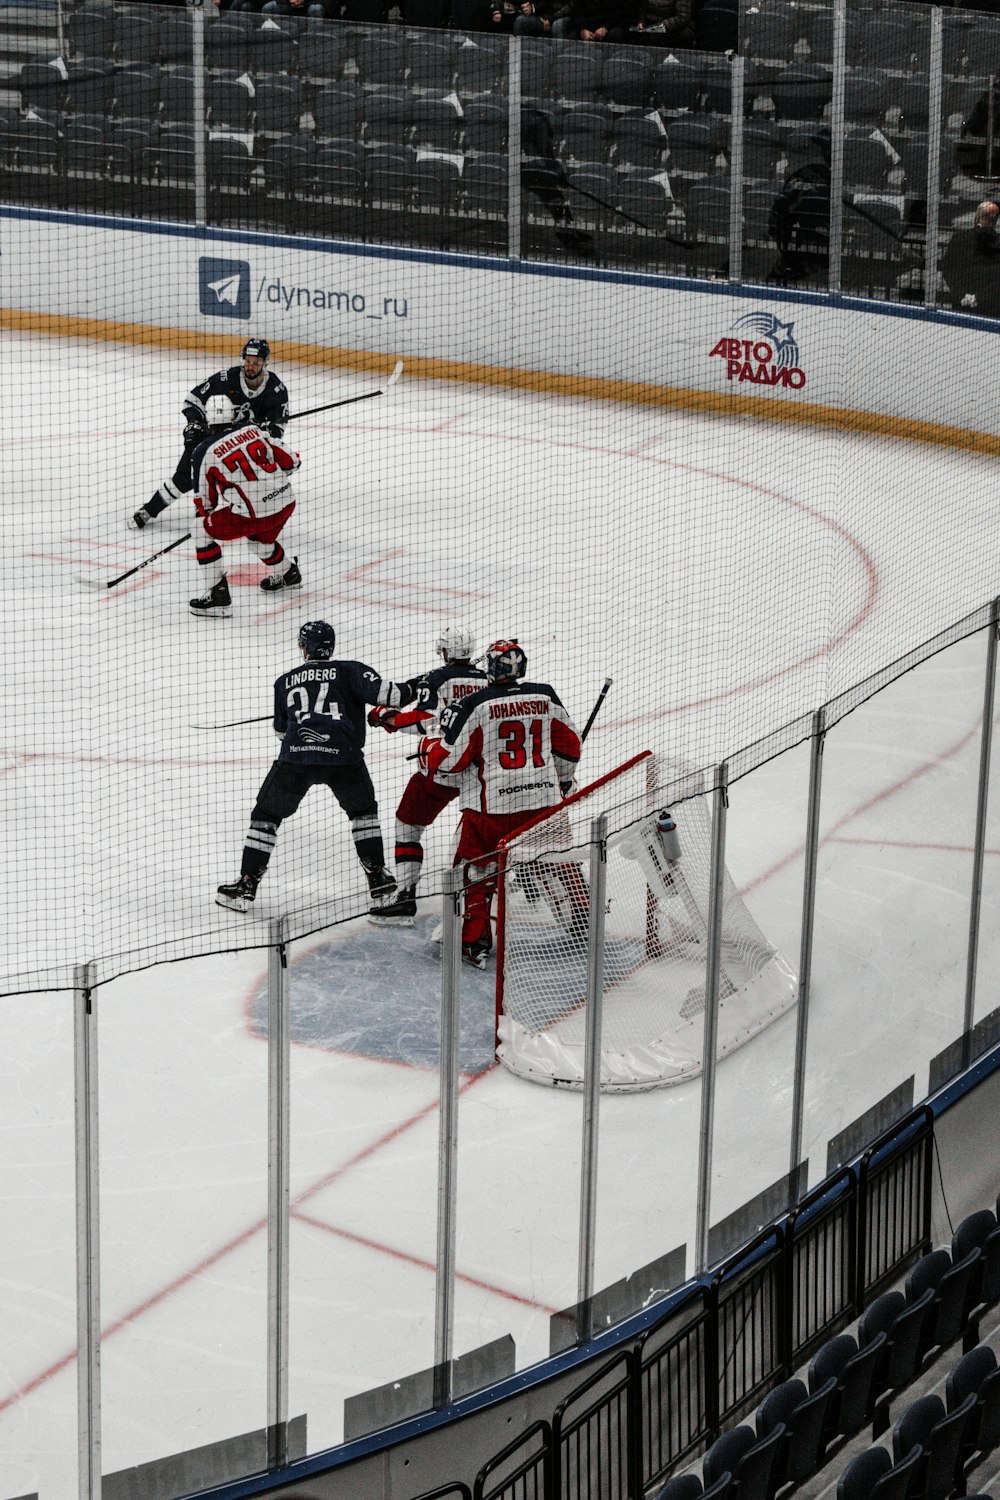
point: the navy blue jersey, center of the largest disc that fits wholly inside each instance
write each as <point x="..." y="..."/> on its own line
<point x="438" y="689"/>
<point x="319" y="710"/>
<point x="267" y="406"/>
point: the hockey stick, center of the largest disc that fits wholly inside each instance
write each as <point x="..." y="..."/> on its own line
<point x="349" y="400"/>
<point x="596" y="708"/>
<point x="94" y="583"/>
<point x="260" y="719"/>
<point x="91" y="583"/>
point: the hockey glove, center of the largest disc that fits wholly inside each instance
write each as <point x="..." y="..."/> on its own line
<point x="193" y="433"/>
<point x="567" y="788"/>
<point x="428" y="744"/>
<point x="383" y="718"/>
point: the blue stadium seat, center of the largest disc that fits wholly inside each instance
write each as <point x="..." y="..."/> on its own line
<point x="339" y="171"/>
<point x="854" y="1368"/>
<point x="389" y="175"/>
<point x="485" y="185"/>
<point x="322" y="50"/>
<point x="228" y="164"/>
<point x="949" y="1282"/>
<point x="337" y="109"/>
<point x="388" y="116"/>
<point x="90" y="30"/>
<point x="274" y="48"/>
<point x="479" y="65"/>
<point x="976" y="1374"/>
<point x="484" y="126"/>
<point x="435" y="184"/>
<point x="137" y="91"/>
<point x="804" y="1419"/>
<point x="176" y="96"/>
<point x="277" y="105"/>
<point x="429" y="64"/>
<point x="926" y="1423"/>
<point x="436" y="124"/>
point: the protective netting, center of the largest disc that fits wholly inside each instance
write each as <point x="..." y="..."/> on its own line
<point x="572" y="455"/>
<point x="655" y="939"/>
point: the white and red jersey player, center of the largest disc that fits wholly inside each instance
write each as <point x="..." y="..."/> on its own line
<point x="426" y="796"/>
<point x="515" y="748"/>
<point x="242" y="490"/>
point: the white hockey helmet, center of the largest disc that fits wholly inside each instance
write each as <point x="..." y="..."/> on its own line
<point x="219" y="412"/>
<point x="457" y="642"/>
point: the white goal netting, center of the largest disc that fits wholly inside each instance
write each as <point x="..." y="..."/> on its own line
<point x="655" y="939"/>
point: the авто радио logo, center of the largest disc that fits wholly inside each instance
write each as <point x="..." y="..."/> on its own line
<point x="223" y="288"/>
<point x="769" y="357"/>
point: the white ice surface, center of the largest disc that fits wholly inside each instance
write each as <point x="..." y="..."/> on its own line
<point x="704" y="564"/>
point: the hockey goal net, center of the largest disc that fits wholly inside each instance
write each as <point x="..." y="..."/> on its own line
<point x="655" y="940"/>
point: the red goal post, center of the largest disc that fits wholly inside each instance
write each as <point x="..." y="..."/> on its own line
<point x="655" y="938"/>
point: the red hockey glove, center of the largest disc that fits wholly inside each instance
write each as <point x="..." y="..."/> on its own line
<point x="383" y="718"/>
<point x="201" y="508"/>
<point x="428" y="744"/>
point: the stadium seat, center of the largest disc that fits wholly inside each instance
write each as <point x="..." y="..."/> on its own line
<point x="337" y="109"/>
<point x="436" y="124"/>
<point x="976" y="1374"/>
<point x="680" y="1487"/>
<point x="277" y="105"/>
<point x="979" y="1229"/>
<point x="925" y="1423"/>
<point x="903" y="1341"/>
<point x="720" y="1490"/>
<point x="949" y="1282"/>
<point x="593" y="193"/>
<point x="485" y="185"/>
<point x="536" y="70"/>
<point x="274" y="49"/>
<point x="867" y="162"/>
<point x="339" y="171"/>
<point x="89" y="86"/>
<point x="748" y="1458"/>
<point x="484" y="126"/>
<point x="872" y="1475"/>
<point x="429" y="64"/>
<point x="479" y="65"/>
<point x="639" y="140"/>
<point x="676" y="84"/>
<point x="230" y="101"/>
<point x="176" y="96"/>
<point x="644" y="199"/>
<point x="228" y="164"/>
<point x="380" y="59"/>
<point x="137" y="91"/>
<point x="864" y="96"/>
<point x="389" y="175"/>
<point x="706" y="212"/>
<point x="170" y="158"/>
<point x="771" y="31"/>
<point x="228" y="43"/>
<point x="289" y="166"/>
<point x="576" y="74"/>
<point x="90" y="30"/>
<point x="854" y="1369"/>
<point x="127" y="143"/>
<point x="321" y="53"/>
<point x="583" y="134"/>
<point x="175" y="38"/>
<point x="761" y="151"/>
<point x="693" y="145"/>
<point x="435" y="183"/>
<point x="43" y="84"/>
<point x="627" y="81"/>
<point x="136" y="35"/>
<point x="804" y="1419"/>
<point x="85" y="150"/>
<point x="801" y="92"/>
<point x="388" y="116"/>
<point x="717" y="26"/>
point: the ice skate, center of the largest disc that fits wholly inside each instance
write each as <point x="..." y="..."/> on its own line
<point x="217" y="603"/>
<point x="397" y="912"/>
<point x="239" y="896"/>
<point x="382" y="886"/>
<point x="475" y="954"/>
<point x="141" y="518"/>
<point x="290" y="579"/>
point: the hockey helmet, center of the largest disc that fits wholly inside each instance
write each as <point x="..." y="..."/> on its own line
<point x="457" y="642"/>
<point x="505" y="659"/>
<point x="318" y="639"/>
<point x="256" y="349"/>
<point x="219" y="412"/>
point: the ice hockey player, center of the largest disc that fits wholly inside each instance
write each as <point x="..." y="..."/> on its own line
<point x="257" y="395"/>
<point x="518" y="750"/>
<point x="426" y="795"/>
<point x="243" y="488"/>
<point x="319" y="712"/>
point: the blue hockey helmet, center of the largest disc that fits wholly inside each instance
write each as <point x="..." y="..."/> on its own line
<point x="256" y="349"/>
<point x="318" y="638"/>
<point x="505" y="659"/>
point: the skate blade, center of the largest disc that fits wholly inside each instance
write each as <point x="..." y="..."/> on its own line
<point x="213" y="614"/>
<point x="378" y="920"/>
<point x="234" y="903"/>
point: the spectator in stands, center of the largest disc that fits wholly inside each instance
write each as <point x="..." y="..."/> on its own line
<point x="971" y="263"/>
<point x="533" y="17"/>
<point x="665" y="23"/>
<point x="602" y="20"/>
<point x="295" y="8"/>
<point x="800" y="217"/>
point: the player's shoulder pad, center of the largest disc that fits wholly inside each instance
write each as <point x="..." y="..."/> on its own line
<point x="541" y="687"/>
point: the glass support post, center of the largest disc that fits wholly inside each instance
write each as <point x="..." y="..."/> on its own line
<point x="806" y="939"/>
<point x="979" y="848"/>
<point x="88" y="1259"/>
<point x="935" y="95"/>
<point x="514" y="148"/>
<point x="837" y="146"/>
<point x="197" y="12"/>
<point x="736" y="126"/>
<point x="592" y="1073"/>
<point x="451" y="999"/>
<point x="713" y="964"/>
<point x="278" y="1176"/>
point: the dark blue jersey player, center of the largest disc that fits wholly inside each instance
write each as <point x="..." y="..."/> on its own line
<point x="319" y="711"/>
<point x="257" y="396"/>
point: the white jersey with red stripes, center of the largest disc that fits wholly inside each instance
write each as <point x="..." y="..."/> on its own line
<point x="513" y="743"/>
<point x="246" y="471"/>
